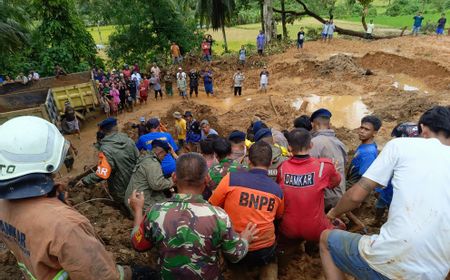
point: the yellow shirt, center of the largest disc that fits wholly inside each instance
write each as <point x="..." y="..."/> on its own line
<point x="180" y="127"/>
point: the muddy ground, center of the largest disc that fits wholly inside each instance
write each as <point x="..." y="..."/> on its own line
<point x="395" y="79"/>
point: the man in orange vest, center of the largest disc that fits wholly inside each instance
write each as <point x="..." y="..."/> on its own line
<point x="116" y="159"/>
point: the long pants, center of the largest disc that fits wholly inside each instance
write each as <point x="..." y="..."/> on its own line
<point x="156" y="93"/>
<point x="193" y="89"/>
<point x="237" y="90"/>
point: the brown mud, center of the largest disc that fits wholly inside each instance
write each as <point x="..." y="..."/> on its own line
<point x="324" y="70"/>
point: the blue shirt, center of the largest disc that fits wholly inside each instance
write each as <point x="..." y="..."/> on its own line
<point x="144" y="142"/>
<point x="365" y="154"/>
<point x="418" y="21"/>
<point x="386" y="193"/>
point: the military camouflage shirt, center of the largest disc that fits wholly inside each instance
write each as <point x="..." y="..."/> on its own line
<point x="219" y="170"/>
<point x="189" y="233"/>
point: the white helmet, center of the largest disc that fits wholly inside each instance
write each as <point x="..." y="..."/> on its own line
<point x="30" y="145"/>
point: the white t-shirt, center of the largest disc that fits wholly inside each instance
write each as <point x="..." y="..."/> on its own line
<point x="183" y="75"/>
<point x="264" y="79"/>
<point x="414" y="243"/>
<point x="331" y="29"/>
<point x="370" y="28"/>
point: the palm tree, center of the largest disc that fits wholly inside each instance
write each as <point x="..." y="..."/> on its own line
<point x="216" y="13"/>
<point x="13" y="31"/>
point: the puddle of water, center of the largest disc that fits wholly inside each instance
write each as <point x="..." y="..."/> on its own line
<point x="408" y="83"/>
<point x="410" y="88"/>
<point x="347" y="110"/>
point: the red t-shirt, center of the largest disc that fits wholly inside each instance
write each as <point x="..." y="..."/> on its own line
<point x="303" y="181"/>
<point x="205" y="48"/>
<point x="127" y="73"/>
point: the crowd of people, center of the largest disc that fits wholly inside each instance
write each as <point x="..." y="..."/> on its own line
<point x="250" y="196"/>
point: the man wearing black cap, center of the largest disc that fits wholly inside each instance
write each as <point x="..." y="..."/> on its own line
<point x="117" y="157"/>
<point x="148" y="177"/>
<point x="326" y="145"/>
<point x="238" y="148"/>
<point x="145" y="143"/>
<point x="265" y="134"/>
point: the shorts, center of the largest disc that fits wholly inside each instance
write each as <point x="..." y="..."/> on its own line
<point x="324" y="35"/>
<point x="300" y="43"/>
<point x="343" y="247"/>
<point x="263" y="85"/>
<point x="181" y="142"/>
<point x="416" y="29"/>
<point x="207" y="57"/>
<point x="330" y="36"/>
<point x="260" y="257"/>
<point x="440" y="31"/>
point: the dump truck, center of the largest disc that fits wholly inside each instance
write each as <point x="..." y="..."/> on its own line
<point x="38" y="103"/>
<point x="48" y="97"/>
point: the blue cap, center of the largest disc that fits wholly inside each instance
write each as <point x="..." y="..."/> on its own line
<point x="236" y="135"/>
<point x="262" y="133"/>
<point x="152" y="123"/>
<point x="108" y="123"/>
<point x="321" y="113"/>
<point x="162" y="144"/>
<point x="257" y="126"/>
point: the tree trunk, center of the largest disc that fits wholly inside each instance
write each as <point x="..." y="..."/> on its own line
<point x="363" y="17"/>
<point x="99" y="33"/>
<point x="283" y="20"/>
<point x="269" y="30"/>
<point x="261" y="13"/>
<point x="225" y="44"/>
<point x="307" y="12"/>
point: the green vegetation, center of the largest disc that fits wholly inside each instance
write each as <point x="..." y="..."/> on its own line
<point x="398" y="21"/>
<point x="59" y="37"/>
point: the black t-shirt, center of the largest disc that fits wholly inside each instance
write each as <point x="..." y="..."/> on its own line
<point x="193" y="78"/>
<point x="301" y="35"/>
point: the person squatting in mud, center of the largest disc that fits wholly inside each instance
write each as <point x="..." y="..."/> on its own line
<point x="259" y="212"/>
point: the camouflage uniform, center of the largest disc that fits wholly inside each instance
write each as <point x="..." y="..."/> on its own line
<point x="219" y="170"/>
<point x="148" y="177"/>
<point x="189" y="233"/>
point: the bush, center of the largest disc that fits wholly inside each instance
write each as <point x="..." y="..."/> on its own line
<point x="403" y="7"/>
<point x="313" y="34"/>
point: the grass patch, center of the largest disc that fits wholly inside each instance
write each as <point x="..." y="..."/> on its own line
<point x="399" y="21"/>
<point x="101" y="34"/>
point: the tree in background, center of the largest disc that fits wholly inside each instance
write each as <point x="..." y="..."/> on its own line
<point x="270" y="30"/>
<point x="13" y="27"/>
<point x="145" y="29"/>
<point x="365" y="11"/>
<point x="14" y="33"/>
<point x="61" y="38"/>
<point x="217" y="14"/>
